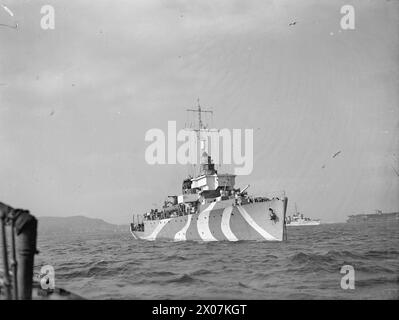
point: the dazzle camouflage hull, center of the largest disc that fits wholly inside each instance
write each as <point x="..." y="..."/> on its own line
<point x="222" y="221"/>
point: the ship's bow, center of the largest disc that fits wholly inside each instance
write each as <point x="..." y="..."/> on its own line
<point x="263" y="221"/>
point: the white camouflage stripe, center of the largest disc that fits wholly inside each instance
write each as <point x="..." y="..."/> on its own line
<point x="181" y="235"/>
<point x="203" y="224"/>
<point x="225" y="224"/>
<point x="157" y="230"/>
<point x="254" y="225"/>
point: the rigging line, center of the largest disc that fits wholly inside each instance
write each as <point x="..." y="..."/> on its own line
<point x="7" y="25"/>
<point x="396" y="171"/>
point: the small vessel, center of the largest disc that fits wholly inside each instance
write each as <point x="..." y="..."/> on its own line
<point x="210" y="208"/>
<point x="298" y="219"/>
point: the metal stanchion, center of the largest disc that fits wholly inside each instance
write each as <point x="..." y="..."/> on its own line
<point x="26" y="231"/>
<point x="6" y="281"/>
<point x="23" y="246"/>
<point x="14" y="263"/>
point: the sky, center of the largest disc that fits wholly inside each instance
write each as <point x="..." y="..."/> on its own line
<point x="77" y="101"/>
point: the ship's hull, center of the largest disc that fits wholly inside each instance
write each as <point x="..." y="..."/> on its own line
<point x="302" y="224"/>
<point x="221" y="221"/>
<point x="374" y="218"/>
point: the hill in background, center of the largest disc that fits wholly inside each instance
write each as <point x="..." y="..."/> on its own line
<point x="77" y="224"/>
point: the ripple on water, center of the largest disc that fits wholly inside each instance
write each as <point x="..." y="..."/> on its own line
<point x="109" y="266"/>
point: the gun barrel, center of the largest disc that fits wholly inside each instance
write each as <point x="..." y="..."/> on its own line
<point x="243" y="190"/>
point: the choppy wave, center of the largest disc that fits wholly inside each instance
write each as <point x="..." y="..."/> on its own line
<point x="307" y="266"/>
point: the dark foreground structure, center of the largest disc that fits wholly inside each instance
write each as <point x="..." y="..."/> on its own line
<point x="16" y="275"/>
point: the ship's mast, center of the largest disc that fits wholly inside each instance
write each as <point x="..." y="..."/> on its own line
<point x="200" y="126"/>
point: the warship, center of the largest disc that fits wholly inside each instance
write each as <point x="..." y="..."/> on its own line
<point x="299" y="220"/>
<point x="210" y="208"/>
<point x="378" y="217"/>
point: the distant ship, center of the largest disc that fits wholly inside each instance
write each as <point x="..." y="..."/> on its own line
<point x="298" y="219"/>
<point x="210" y="208"/>
<point x="379" y="216"/>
